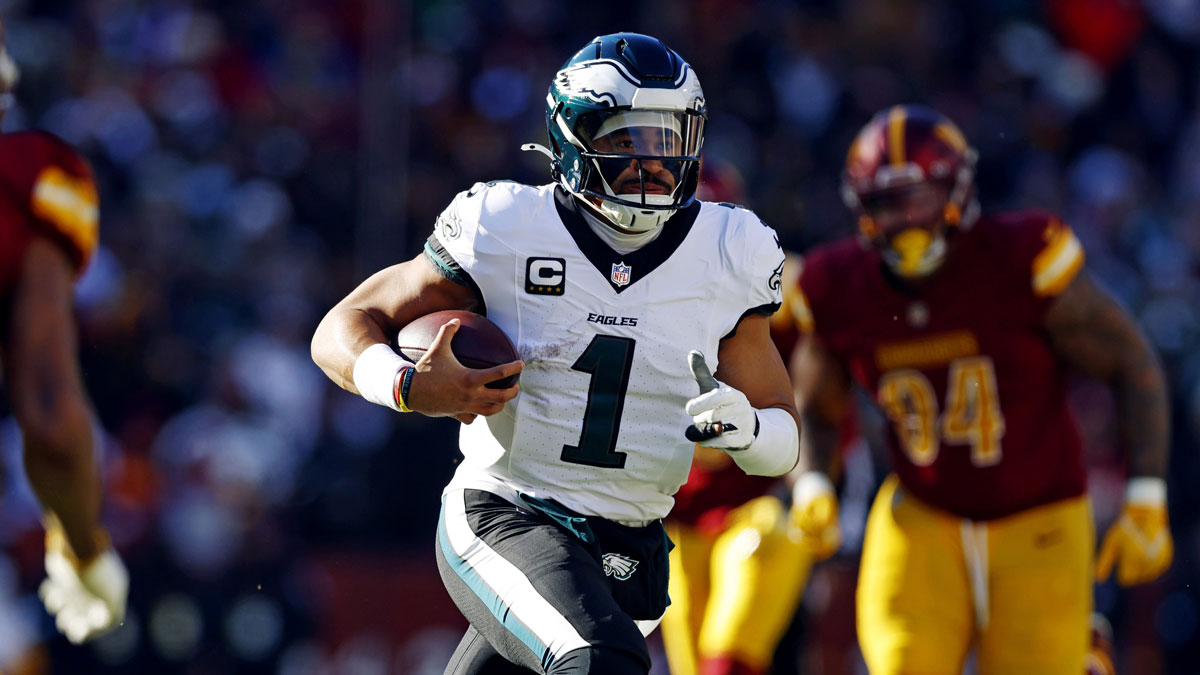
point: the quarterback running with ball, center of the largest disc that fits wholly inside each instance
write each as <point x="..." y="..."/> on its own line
<point x="622" y="293"/>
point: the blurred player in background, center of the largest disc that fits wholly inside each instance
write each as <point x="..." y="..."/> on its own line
<point x="550" y="539"/>
<point x="48" y="230"/>
<point x="736" y="574"/>
<point x="963" y="328"/>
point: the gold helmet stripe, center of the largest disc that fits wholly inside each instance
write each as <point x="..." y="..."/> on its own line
<point x="895" y="123"/>
<point x="951" y="136"/>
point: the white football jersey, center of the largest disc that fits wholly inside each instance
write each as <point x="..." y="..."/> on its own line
<point x="599" y="423"/>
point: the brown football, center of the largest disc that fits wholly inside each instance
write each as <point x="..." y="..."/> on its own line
<point x="479" y="343"/>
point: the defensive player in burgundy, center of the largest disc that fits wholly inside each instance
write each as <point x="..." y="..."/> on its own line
<point x="48" y="230"/>
<point x="963" y="328"/>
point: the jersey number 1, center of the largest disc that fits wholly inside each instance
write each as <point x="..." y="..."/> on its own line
<point x="608" y="359"/>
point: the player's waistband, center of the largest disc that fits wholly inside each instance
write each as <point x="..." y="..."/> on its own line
<point x="1050" y="498"/>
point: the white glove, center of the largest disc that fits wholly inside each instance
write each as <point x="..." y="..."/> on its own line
<point x="722" y="417"/>
<point x="88" y="601"/>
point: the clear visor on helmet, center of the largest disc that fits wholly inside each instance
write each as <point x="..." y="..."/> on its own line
<point x="639" y="154"/>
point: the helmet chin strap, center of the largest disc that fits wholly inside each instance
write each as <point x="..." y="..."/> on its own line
<point x="915" y="252"/>
<point x="634" y="220"/>
<point x="620" y="241"/>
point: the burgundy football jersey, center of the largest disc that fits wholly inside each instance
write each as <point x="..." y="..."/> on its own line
<point x="46" y="190"/>
<point x="715" y="486"/>
<point x="961" y="365"/>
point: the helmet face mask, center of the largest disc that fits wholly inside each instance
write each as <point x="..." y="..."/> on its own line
<point x="625" y="117"/>
<point x="639" y="158"/>
<point x="910" y="180"/>
<point x="9" y="75"/>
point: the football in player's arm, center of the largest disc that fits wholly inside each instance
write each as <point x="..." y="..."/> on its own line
<point x="48" y="230"/>
<point x="962" y="328"/>
<point x="550" y="539"/>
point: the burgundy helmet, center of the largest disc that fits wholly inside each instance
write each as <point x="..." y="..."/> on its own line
<point x="902" y="146"/>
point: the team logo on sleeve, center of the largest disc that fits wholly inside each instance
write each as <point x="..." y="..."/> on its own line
<point x="618" y="566"/>
<point x="621" y="274"/>
<point x="448" y="222"/>
<point x="776" y="279"/>
<point x="545" y="276"/>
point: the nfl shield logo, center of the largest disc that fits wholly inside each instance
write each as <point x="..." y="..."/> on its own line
<point x="620" y="274"/>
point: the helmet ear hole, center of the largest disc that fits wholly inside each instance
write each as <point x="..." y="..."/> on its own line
<point x="867" y="226"/>
<point x="952" y="214"/>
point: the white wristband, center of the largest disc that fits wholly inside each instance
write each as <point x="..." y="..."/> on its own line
<point x="1146" y="490"/>
<point x="776" y="447"/>
<point x="809" y="486"/>
<point x="375" y="374"/>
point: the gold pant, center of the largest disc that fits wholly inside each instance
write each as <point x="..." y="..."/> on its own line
<point x="733" y="593"/>
<point x="932" y="585"/>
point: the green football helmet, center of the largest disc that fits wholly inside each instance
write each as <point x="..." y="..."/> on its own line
<point x="625" y="118"/>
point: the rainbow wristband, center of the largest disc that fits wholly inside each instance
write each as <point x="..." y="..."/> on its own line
<point x="401" y="385"/>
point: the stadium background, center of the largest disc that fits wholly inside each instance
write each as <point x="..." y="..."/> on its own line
<point x="258" y="158"/>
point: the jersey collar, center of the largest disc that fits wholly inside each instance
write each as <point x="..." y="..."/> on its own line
<point x="641" y="262"/>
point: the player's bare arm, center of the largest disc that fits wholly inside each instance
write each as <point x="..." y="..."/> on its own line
<point x="751" y="364"/>
<point x="86" y="584"/>
<point x="48" y="396"/>
<point x="758" y="425"/>
<point x="1093" y="334"/>
<point x="822" y="390"/>
<point x="821" y="387"/>
<point x="375" y="311"/>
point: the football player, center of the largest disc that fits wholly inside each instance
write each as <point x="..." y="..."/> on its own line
<point x="622" y="292"/>
<point x="48" y="230"/>
<point x="736" y="575"/>
<point x="963" y="328"/>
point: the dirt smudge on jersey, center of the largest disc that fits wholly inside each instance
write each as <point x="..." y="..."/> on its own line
<point x="535" y="356"/>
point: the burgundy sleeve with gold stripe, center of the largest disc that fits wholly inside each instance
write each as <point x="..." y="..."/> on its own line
<point x="60" y="194"/>
<point x="1042" y="252"/>
<point x="1059" y="260"/>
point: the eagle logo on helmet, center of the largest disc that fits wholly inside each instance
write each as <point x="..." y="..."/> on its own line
<point x="601" y="81"/>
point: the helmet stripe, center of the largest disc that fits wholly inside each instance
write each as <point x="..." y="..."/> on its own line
<point x="951" y="136"/>
<point x="896" y="118"/>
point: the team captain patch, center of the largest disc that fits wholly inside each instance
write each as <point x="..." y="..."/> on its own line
<point x="545" y="276"/>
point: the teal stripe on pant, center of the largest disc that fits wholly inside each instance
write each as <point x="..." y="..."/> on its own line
<point x="493" y="602"/>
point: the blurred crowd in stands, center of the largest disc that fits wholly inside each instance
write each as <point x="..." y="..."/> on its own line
<point x="258" y="158"/>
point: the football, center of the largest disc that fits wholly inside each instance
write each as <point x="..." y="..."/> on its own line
<point x="479" y="343"/>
